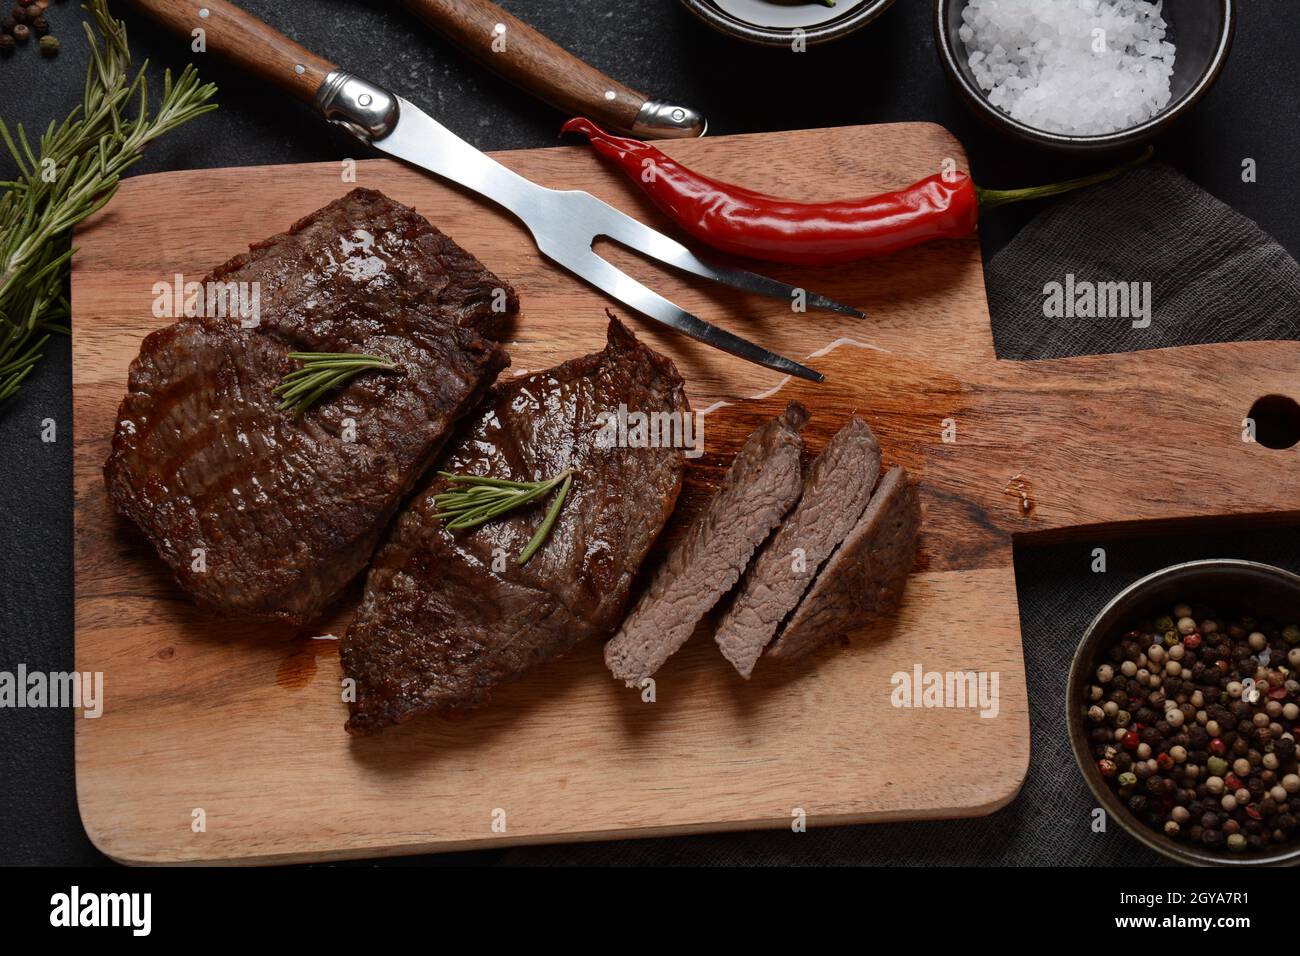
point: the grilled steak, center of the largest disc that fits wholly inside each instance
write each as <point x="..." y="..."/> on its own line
<point x="865" y="577"/>
<point x="262" y="514"/>
<point x="447" y="616"/>
<point x="835" y="493"/>
<point x="757" y="491"/>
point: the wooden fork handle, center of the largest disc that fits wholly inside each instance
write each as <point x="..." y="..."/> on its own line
<point x="513" y="49"/>
<point x="244" y="40"/>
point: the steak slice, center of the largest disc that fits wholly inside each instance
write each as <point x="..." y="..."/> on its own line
<point x="759" y="488"/>
<point x="447" y="617"/>
<point x="835" y="493"/>
<point x="261" y="514"/>
<point x="864" y="579"/>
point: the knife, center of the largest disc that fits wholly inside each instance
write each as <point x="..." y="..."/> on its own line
<point x="508" y="46"/>
<point x="563" y="223"/>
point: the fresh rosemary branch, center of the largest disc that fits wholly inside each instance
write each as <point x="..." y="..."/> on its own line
<point x="476" y="500"/>
<point x="74" y="170"/>
<point x="321" y="372"/>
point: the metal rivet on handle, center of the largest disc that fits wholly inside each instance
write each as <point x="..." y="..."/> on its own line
<point x="299" y="68"/>
<point x="203" y="13"/>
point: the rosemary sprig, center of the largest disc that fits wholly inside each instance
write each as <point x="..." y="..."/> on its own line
<point x="477" y="500"/>
<point x="72" y="173"/>
<point x="321" y="372"/>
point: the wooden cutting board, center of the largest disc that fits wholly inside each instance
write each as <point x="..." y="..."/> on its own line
<point x="240" y="726"/>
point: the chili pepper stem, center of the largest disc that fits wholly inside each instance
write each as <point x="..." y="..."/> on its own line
<point x="992" y="198"/>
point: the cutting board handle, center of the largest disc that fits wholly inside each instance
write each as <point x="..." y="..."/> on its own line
<point x="243" y="39"/>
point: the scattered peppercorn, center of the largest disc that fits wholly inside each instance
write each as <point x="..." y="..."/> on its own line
<point x="24" y="21"/>
<point x="1194" y="723"/>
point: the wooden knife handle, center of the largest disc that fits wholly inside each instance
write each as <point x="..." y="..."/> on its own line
<point x="510" y="47"/>
<point x="244" y="40"/>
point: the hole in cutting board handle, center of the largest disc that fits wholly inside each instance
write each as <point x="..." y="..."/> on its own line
<point x="1277" y="421"/>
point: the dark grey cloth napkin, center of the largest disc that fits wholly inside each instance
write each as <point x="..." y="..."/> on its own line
<point x="1215" y="276"/>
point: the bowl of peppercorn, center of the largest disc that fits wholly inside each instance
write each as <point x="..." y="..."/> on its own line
<point x="1184" y="712"/>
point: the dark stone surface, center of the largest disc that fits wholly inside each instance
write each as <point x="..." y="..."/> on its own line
<point x="890" y="72"/>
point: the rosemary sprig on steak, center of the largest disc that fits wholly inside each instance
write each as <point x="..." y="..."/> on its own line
<point x="321" y="372"/>
<point x="475" y="500"/>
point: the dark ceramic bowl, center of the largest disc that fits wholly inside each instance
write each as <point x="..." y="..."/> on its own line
<point x="774" y="24"/>
<point x="1226" y="584"/>
<point x="1201" y="29"/>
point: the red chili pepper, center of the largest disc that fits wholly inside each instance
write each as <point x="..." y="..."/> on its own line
<point x="748" y="223"/>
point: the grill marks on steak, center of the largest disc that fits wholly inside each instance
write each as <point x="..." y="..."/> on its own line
<point x="757" y="491"/>
<point x="438" y="627"/>
<point x="286" y="512"/>
<point x="864" y="579"/>
<point x="835" y="493"/>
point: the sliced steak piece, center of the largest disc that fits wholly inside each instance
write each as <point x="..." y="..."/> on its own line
<point x="447" y="617"/>
<point x="258" y="513"/>
<point x="760" y="487"/>
<point x="863" y="581"/>
<point x="835" y="493"/>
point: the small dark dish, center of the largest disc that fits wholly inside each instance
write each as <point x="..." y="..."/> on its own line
<point x="818" y="23"/>
<point x="1223" y="583"/>
<point x="1202" y="30"/>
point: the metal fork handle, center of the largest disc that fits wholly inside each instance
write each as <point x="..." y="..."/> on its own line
<point x="366" y="109"/>
<point x="245" y="41"/>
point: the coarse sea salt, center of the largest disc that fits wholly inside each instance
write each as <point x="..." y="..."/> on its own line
<point x="1081" y="67"/>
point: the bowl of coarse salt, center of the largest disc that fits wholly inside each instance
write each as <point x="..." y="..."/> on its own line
<point x="1083" y="75"/>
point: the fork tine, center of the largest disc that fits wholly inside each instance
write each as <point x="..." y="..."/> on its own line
<point x="630" y="292"/>
<point x="636" y="235"/>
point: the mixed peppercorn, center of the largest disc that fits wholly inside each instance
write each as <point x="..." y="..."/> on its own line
<point x="24" y="21"/>
<point x="1193" y="724"/>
